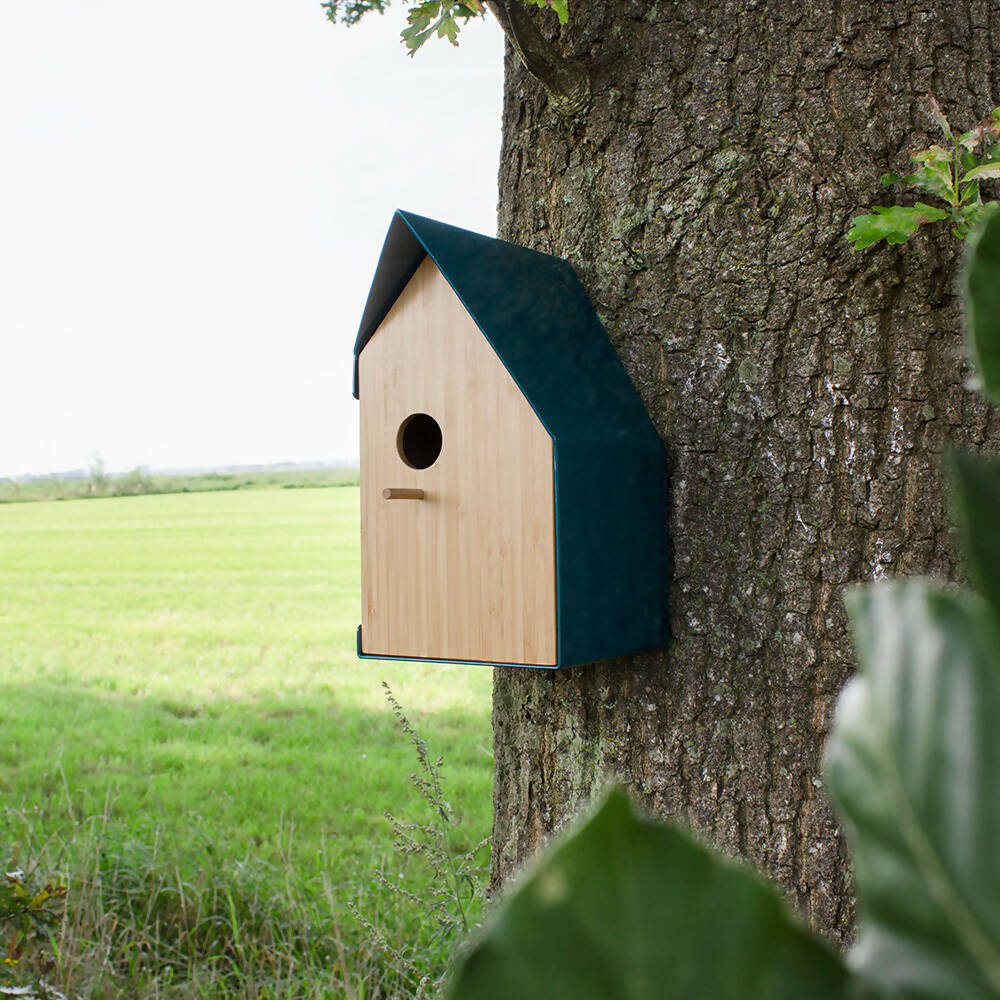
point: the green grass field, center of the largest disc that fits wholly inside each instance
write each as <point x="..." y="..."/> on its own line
<point x="190" y="660"/>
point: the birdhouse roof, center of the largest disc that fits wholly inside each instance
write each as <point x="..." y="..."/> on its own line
<point x="535" y="315"/>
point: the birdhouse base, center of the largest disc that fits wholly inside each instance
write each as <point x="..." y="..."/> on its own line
<point x="362" y="655"/>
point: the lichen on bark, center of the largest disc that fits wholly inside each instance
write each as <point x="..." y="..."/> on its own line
<point x="804" y="393"/>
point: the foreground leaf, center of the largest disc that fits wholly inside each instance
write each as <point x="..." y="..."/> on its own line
<point x="977" y="502"/>
<point x="913" y="764"/>
<point x="982" y="303"/>
<point x="628" y="908"/>
<point x="892" y="223"/>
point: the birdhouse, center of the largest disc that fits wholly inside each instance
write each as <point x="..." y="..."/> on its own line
<point x="512" y="483"/>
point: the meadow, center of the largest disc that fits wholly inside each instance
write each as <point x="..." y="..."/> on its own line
<point x="141" y="482"/>
<point x="180" y="704"/>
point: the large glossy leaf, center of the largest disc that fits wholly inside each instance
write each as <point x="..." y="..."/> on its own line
<point x="977" y="503"/>
<point x="914" y="765"/>
<point x="628" y="908"/>
<point x="982" y="303"/>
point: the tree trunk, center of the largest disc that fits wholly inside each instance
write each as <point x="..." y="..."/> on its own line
<point x="804" y="392"/>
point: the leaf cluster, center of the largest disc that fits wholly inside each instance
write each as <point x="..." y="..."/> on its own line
<point x="626" y="908"/>
<point x="429" y="18"/>
<point x="438" y="17"/>
<point x="952" y="176"/>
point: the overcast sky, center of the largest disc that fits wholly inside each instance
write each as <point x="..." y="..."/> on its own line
<point x="192" y="200"/>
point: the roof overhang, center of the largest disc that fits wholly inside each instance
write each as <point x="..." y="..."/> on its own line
<point x="402" y="253"/>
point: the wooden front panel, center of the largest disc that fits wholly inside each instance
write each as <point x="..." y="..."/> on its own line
<point x="467" y="572"/>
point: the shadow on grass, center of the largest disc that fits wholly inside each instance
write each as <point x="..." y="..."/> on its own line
<point x="219" y="848"/>
<point x="316" y="772"/>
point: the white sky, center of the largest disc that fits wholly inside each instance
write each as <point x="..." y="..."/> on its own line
<point x="193" y="196"/>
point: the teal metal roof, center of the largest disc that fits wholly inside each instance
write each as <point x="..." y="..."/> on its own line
<point x="535" y="314"/>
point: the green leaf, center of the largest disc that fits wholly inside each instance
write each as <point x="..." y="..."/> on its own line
<point x="930" y="179"/>
<point x="414" y="38"/>
<point x="969" y="140"/>
<point x="913" y="764"/>
<point x="349" y="12"/>
<point x="985" y="171"/>
<point x="438" y="17"/>
<point x="628" y="909"/>
<point x="982" y="302"/>
<point x="420" y="28"/>
<point x="976" y="483"/>
<point x="559" y="6"/>
<point x="914" y="180"/>
<point x="967" y="218"/>
<point x="448" y="28"/>
<point x="938" y="115"/>
<point x="935" y="174"/>
<point x="892" y="223"/>
<point x="970" y="192"/>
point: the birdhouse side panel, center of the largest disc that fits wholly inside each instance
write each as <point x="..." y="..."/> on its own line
<point x="467" y="570"/>
<point x="613" y="576"/>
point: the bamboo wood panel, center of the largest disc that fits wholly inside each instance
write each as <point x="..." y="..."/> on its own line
<point x="468" y="572"/>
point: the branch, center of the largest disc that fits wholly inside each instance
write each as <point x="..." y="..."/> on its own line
<point x="566" y="81"/>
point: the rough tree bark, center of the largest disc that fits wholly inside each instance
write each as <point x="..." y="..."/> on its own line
<point x="804" y="391"/>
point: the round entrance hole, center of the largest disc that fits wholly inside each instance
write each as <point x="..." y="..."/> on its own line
<point x="419" y="441"/>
